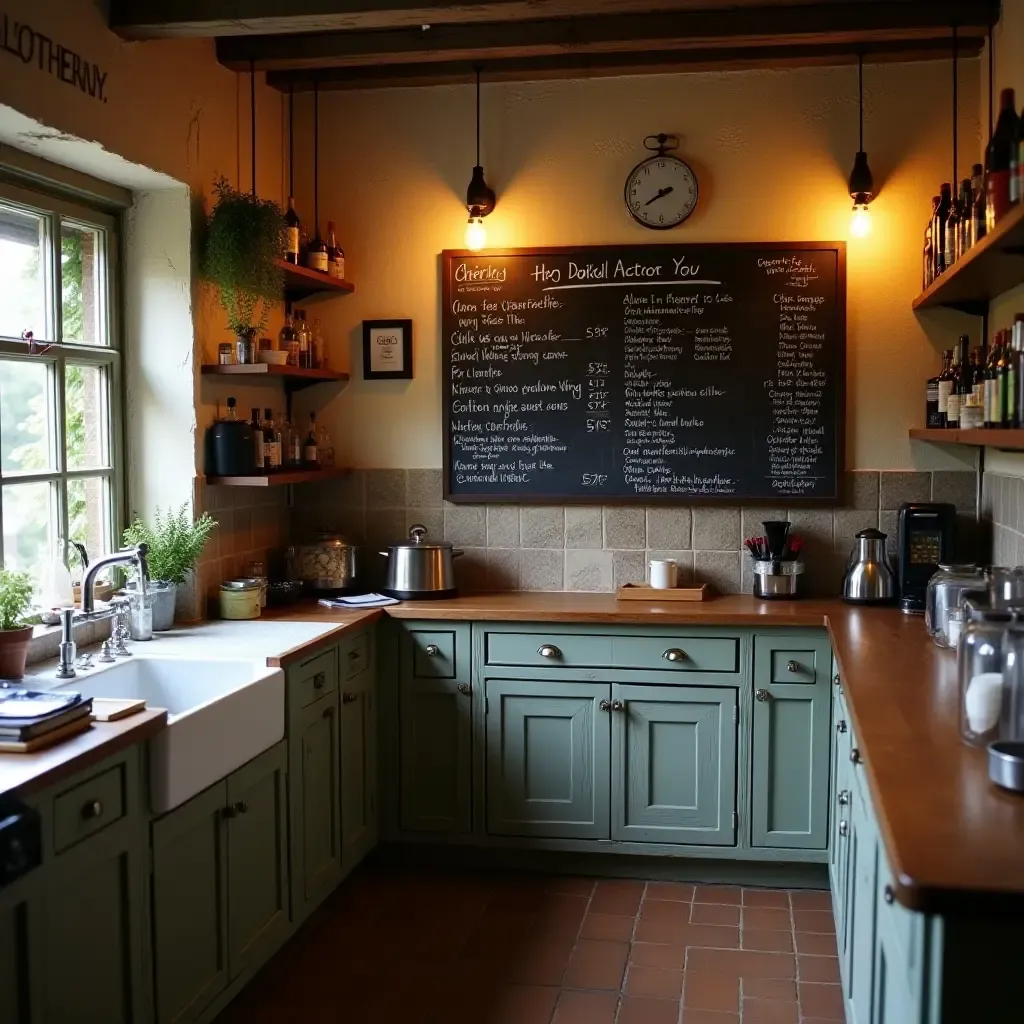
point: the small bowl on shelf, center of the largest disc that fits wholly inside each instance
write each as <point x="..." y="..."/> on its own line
<point x="272" y="357"/>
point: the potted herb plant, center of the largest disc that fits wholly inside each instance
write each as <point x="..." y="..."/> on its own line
<point x="244" y="238"/>
<point x="15" y="630"/>
<point x="175" y="543"/>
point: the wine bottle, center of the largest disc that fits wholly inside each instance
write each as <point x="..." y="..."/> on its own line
<point x="1017" y="344"/>
<point x="303" y="334"/>
<point x="1017" y="163"/>
<point x="288" y="341"/>
<point x="271" y="442"/>
<point x="958" y="388"/>
<point x="990" y="381"/>
<point x="335" y="257"/>
<point x="316" y="254"/>
<point x="932" y="417"/>
<point x="978" y="209"/>
<point x="292" y="227"/>
<point x="1004" y="383"/>
<point x="945" y="385"/>
<point x="997" y="161"/>
<point x="978" y="375"/>
<point x="310" y="452"/>
<point x="952" y="233"/>
<point x="963" y="227"/>
<point x="939" y="226"/>
<point x="257" y="433"/>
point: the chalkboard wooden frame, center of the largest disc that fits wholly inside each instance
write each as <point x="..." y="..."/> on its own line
<point x="828" y="501"/>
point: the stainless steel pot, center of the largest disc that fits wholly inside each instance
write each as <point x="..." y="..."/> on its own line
<point x="420" y="568"/>
<point x="328" y="563"/>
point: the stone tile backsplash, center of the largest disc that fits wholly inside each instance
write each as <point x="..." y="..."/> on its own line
<point x="594" y="548"/>
<point x="1002" y="502"/>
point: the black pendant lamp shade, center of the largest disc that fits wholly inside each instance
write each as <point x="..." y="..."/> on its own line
<point x="480" y="198"/>
<point x="862" y="184"/>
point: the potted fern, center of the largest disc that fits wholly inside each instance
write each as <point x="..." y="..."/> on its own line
<point x="15" y="630"/>
<point x="175" y="543"/>
<point x="244" y="238"/>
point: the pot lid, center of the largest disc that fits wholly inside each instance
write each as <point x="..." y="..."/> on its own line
<point x="419" y="539"/>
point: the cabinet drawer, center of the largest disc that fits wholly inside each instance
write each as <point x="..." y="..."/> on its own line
<point x="88" y="808"/>
<point x="795" y="665"/>
<point x="315" y="679"/>
<point x="355" y="656"/>
<point x="433" y="654"/>
<point x="668" y="653"/>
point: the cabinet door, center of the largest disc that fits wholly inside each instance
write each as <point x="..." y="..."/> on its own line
<point x="547" y="759"/>
<point x="434" y="753"/>
<point x="190" y="930"/>
<point x="791" y="743"/>
<point x="357" y="740"/>
<point x="21" y="955"/>
<point x="841" y="809"/>
<point x="860" y="912"/>
<point x="319" y="832"/>
<point x="674" y="764"/>
<point x="893" y="1003"/>
<point x="257" y="860"/>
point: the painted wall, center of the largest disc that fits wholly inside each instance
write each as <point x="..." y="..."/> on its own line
<point x="772" y="150"/>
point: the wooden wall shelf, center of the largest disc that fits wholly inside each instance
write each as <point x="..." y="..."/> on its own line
<point x="302" y="284"/>
<point x="1009" y="440"/>
<point x="293" y="377"/>
<point x="993" y="266"/>
<point x="298" y="476"/>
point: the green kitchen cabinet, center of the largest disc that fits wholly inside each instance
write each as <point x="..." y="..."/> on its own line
<point x="892" y="1001"/>
<point x="840" y="796"/>
<point x="547" y="759"/>
<point x="860" y="915"/>
<point x="358" y="752"/>
<point x="673" y="764"/>
<point x="21" y="954"/>
<point x="791" y="743"/>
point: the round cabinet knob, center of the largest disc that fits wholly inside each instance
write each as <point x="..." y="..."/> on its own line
<point x="794" y="666"/>
<point x="761" y="695"/>
<point x="835" y="679"/>
<point x="843" y="797"/>
<point x="618" y="705"/>
<point x="92" y="809"/>
<point x="841" y="725"/>
<point x="433" y="651"/>
<point x="318" y="681"/>
<point x="605" y="705"/>
<point x="855" y="756"/>
<point x="674" y="654"/>
<point x="463" y="687"/>
<point x="353" y="655"/>
<point x="242" y="807"/>
<point x="349" y="698"/>
<point x="888" y="895"/>
<point x="844" y="829"/>
<point x="549" y="651"/>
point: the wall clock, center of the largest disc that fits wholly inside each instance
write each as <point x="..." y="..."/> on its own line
<point x="661" y="191"/>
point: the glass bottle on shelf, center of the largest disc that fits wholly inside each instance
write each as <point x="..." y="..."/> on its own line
<point x="335" y="257"/>
<point x="961" y="383"/>
<point x="316" y="348"/>
<point x="302" y="332"/>
<point x="946" y="379"/>
<point x="294" y="446"/>
<point x="963" y="226"/>
<point x="997" y="161"/>
<point x="991" y="383"/>
<point x="257" y="433"/>
<point x="271" y="442"/>
<point x="939" y="226"/>
<point x="287" y="339"/>
<point x="952" y="233"/>
<point x="978" y="209"/>
<point x="932" y="417"/>
<point x="316" y="254"/>
<point x="310" y="449"/>
<point x="1004" y="383"/>
<point x="292" y="229"/>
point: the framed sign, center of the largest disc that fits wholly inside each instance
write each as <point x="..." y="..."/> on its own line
<point x="387" y="349"/>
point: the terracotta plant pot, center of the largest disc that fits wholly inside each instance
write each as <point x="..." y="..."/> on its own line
<point x="14" y="651"/>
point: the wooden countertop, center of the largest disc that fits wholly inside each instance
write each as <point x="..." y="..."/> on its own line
<point x="28" y="773"/>
<point x="310" y="611"/>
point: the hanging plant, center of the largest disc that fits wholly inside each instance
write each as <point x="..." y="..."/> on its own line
<point x="244" y="236"/>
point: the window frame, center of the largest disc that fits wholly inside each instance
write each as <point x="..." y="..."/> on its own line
<point x="54" y="209"/>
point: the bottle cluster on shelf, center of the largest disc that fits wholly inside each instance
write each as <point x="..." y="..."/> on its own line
<point x="960" y="221"/>
<point x="321" y="254"/>
<point x="282" y="446"/>
<point x="304" y="344"/>
<point x="980" y="387"/>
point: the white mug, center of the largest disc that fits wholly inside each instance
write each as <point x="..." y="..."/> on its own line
<point x="664" y="573"/>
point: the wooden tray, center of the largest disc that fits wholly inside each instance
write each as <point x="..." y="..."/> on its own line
<point x="644" y="592"/>
<point x="112" y="709"/>
<point x="65" y="732"/>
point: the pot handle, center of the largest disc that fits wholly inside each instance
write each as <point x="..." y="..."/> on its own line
<point x="456" y="552"/>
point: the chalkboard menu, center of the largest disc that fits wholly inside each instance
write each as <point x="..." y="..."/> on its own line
<point x="647" y="373"/>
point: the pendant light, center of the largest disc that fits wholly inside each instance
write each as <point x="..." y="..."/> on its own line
<point x="862" y="185"/>
<point x="480" y="199"/>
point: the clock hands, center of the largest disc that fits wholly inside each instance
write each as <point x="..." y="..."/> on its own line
<point x="661" y="192"/>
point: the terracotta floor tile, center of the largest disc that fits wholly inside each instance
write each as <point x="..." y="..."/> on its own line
<point x="770" y="1011"/>
<point x="810" y="899"/>
<point x="694" y="1016"/>
<point x="571" y="885"/>
<point x="769" y="988"/>
<point x="818" y="968"/>
<point x="682" y="933"/>
<point x="665" y="910"/>
<point x="653" y="982"/>
<point x="776" y="899"/>
<point x="770" y="942"/>
<point x="767" y="919"/>
<point x="637" y="1010"/>
<point x="822" y="1001"/>
<point x="714" y="913"/>
<point x="586" y="1007"/>
<point x="596" y="964"/>
<point x="657" y="954"/>
<point x="712" y="990"/>
<point x="539" y="963"/>
<point x="615" y="897"/>
<point x="814" y="921"/>
<point x="731" y="894"/>
<point x="608" y="927"/>
<point x="815" y="944"/>
<point x="679" y="891"/>
<point x="742" y="963"/>
<point x="522" y="1004"/>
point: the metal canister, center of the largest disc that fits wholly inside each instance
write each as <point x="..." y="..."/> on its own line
<point x="240" y="599"/>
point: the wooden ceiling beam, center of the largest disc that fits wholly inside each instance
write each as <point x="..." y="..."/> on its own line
<point x="862" y="27"/>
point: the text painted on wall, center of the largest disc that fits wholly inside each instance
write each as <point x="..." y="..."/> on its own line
<point x="30" y="46"/>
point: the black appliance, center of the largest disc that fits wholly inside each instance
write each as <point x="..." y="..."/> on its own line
<point x="20" y="846"/>
<point x="927" y="532"/>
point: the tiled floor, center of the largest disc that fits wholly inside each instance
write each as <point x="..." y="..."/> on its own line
<point x="467" y="948"/>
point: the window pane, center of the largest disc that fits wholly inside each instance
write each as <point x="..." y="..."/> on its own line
<point x="27" y="426"/>
<point x="82" y="308"/>
<point x="30" y="525"/>
<point x="22" y="273"/>
<point x="85" y="411"/>
<point x="89" y="514"/>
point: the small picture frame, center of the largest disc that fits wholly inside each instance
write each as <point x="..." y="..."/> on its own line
<point x="387" y="349"/>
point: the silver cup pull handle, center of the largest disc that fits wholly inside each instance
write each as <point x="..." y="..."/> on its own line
<point x="674" y="654"/>
<point x="549" y="651"/>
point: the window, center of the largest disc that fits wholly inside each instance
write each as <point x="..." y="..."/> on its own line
<point x="60" y="391"/>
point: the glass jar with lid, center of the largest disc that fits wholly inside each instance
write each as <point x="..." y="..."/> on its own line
<point x="1011" y="720"/>
<point x="980" y="674"/>
<point x="943" y="595"/>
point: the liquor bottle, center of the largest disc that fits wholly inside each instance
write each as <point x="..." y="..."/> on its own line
<point x="978" y="210"/>
<point x="952" y="235"/>
<point x="271" y="442"/>
<point x="990" y="381"/>
<point x="1018" y="348"/>
<point x="302" y="335"/>
<point x="257" y="433"/>
<point x="978" y="375"/>
<point x="310" y="452"/>
<point x="945" y="385"/>
<point x="288" y="340"/>
<point x="961" y="373"/>
<point x="335" y="257"/>
<point x="294" y="446"/>
<point x="1004" y="383"/>
<point x="926" y="262"/>
<point x="316" y="347"/>
<point x="1017" y="163"/>
<point x="292" y="227"/>
<point x="316" y="254"/>
<point x="963" y="227"/>
<point x="997" y="161"/>
<point x="939" y="226"/>
<point x="932" y="417"/>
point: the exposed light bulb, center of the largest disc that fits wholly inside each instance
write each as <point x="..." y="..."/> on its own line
<point x="476" y="234"/>
<point x="860" y="221"/>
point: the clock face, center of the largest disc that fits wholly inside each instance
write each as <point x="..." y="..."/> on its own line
<point x="661" y="192"/>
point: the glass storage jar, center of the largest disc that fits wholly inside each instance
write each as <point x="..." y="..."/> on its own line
<point x="943" y="595"/>
<point x="1006" y="586"/>
<point x="1011" y="720"/>
<point x="980" y="674"/>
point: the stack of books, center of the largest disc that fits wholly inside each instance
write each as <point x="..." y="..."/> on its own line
<point x="34" y="719"/>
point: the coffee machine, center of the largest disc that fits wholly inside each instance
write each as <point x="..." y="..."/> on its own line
<point x="927" y="532"/>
